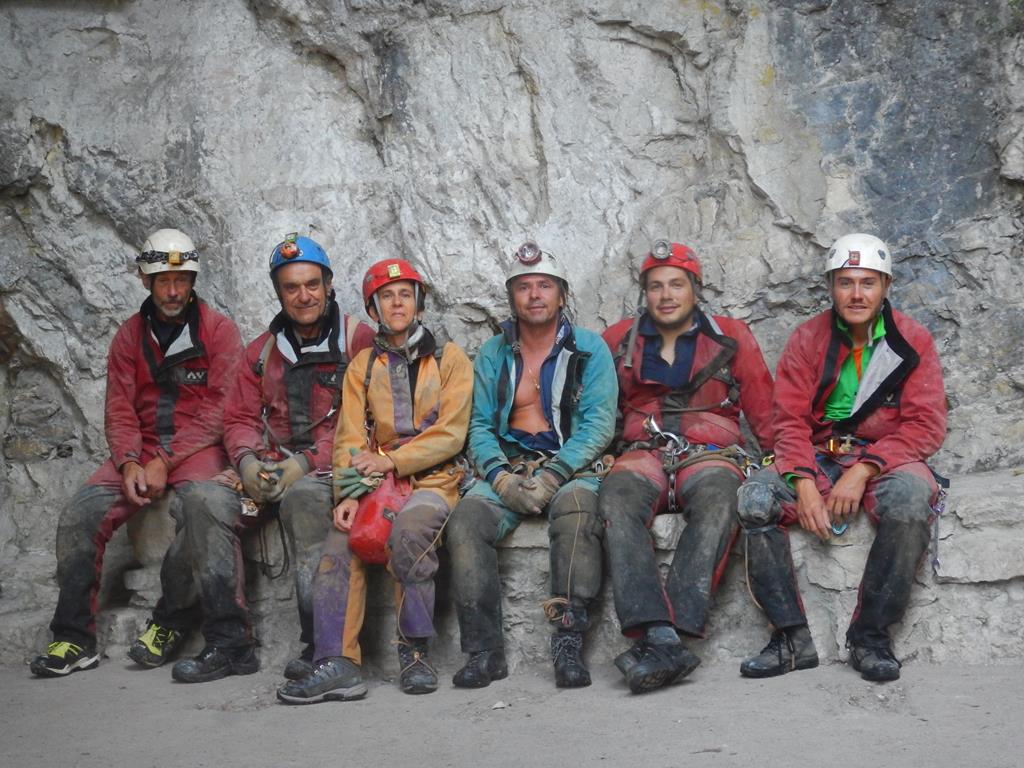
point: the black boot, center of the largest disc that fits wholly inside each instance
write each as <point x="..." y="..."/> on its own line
<point x="789" y="649"/>
<point x="417" y="676"/>
<point x="567" y="655"/>
<point x="301" y="666"/>
<point x="663" y="659"/>
<point x="626" y="660"/>
<point x="481" y="669"/>
<point x="877" y="664"/>
<point x="214" y="663"/>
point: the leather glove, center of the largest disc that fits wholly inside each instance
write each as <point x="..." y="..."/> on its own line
<point x="284" y="474"/>
<point x="255" y="481"/>
<point x="540" y="488"/>
<point x="510" y="489"/>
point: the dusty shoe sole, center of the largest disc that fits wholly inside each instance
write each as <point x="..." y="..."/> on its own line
<point x="762" y="672"/>
<point x="245" y="668"/>
<point x="660" y="678"/>
<point x="338" y="694"/>
<point x="39" y="669"/>
<point x="144" y="658"/>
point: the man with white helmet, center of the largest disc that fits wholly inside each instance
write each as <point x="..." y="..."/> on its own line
<point x="279" y="424"/>
<point x="859" y="407"/>
<point x="167" y="374"/>
<point x="543" y="411"/>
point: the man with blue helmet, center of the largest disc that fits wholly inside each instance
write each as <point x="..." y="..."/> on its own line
<point x="279" y="425"/>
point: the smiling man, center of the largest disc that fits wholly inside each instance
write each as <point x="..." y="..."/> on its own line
<point x="543" y="411"/>
<point x="279" y="424"/>
<point x="859" y="407"/>
<point x="691" y="374"/>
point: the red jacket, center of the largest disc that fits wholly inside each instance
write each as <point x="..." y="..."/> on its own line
<point x="300" y="395"/>
<point x="901" y="404"/>
<point x="726" y="359"/>
<point x="172" y="404"/>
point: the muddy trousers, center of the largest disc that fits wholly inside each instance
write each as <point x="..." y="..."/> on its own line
<point x="305" y="513"/>
<point x="339" y="587"/>
<point x="214" y="530"/>
<point x="628" y="504"/>
<point x="85" y="527"/>
<point x="899" y="505"/>
<point x="480" y="521"/>
<point x="213" y="526"/>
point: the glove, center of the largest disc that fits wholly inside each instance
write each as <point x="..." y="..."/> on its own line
<point x="541" y="487"/>
<point x="255" y="481"/>
<point x="349" y="484"/>
<point x="512" y="490"/>
<point x="284" y="474"/>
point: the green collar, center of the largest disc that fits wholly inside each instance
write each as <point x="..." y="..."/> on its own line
<point x="876" y="334"/>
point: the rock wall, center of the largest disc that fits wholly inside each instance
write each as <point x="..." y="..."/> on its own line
<point x="446" y="132"/>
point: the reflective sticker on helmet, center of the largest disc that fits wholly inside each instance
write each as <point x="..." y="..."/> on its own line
<point x="528" y="253"/>
<point x="174" y="258"/>
<point x="853" y="258"/>
<point x="394" y="270"/>
<point x="661" y="250"/>
<point x="288" y="250"/>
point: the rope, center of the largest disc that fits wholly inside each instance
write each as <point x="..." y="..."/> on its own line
<point x="551" y="606"/>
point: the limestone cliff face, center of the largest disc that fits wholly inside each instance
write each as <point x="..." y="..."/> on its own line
<point x="447" y="132"/>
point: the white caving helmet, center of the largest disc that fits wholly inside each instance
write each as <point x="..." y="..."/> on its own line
<point x="859" y="251"/>
<point x="168" y="250"/>
<point x="531" y="260"/>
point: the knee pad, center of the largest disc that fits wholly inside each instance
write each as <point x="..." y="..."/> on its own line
<point x="756" y="505"/>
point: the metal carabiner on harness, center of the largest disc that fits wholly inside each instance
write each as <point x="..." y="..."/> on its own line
<point x="675" y="446"/>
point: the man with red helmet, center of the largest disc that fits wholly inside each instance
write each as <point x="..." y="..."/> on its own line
<point x="404" y="418"/>
<point x="279" y="423"/>
<point x="859" y="407"/>
<point x="691" y="374"/>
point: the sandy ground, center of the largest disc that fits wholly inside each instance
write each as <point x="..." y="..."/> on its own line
<point x="120" y="716"/>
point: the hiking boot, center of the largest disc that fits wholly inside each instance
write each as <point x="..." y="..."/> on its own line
<point x="333" y="679"/>
<point x="155" y="646"/>
<point x="417" y="676"/>
<point x="789" y="649"/>
<point x="482" y="668"/>
<point x="626" y="660"/>
<point x="213" y="663"/>
<point x="301" y="666"/>
<point x="878" y="665"/>
<point x="660" y="663"/>
<point x="62" y="658"/>
<point x="567" y="655"/>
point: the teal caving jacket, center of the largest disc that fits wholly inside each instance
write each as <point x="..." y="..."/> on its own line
<point x="579" y="393"/>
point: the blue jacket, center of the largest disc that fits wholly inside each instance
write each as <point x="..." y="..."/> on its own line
<point x="579" y="393"/>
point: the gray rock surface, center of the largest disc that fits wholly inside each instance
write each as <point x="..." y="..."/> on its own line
<point x="446" y="132"/>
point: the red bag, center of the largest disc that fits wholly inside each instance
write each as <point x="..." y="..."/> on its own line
<point x="371" y="527"/>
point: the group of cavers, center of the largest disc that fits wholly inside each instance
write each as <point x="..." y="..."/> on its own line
<point x="380" y="446"/>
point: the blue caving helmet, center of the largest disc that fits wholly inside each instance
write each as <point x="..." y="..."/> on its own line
<point x="294" y="249"/>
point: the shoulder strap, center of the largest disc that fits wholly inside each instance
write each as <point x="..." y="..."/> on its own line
<point x="260" y="367"/>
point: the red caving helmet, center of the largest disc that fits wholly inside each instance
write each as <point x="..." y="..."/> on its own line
<point x="666" y="254"/>
<point x="389" y="271"/>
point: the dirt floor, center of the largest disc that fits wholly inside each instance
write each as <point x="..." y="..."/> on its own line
<point x="120" y="716"/>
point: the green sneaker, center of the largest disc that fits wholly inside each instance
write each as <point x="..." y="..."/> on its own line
<point x="155" y="646"/>
<point x="62" y="658"/>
